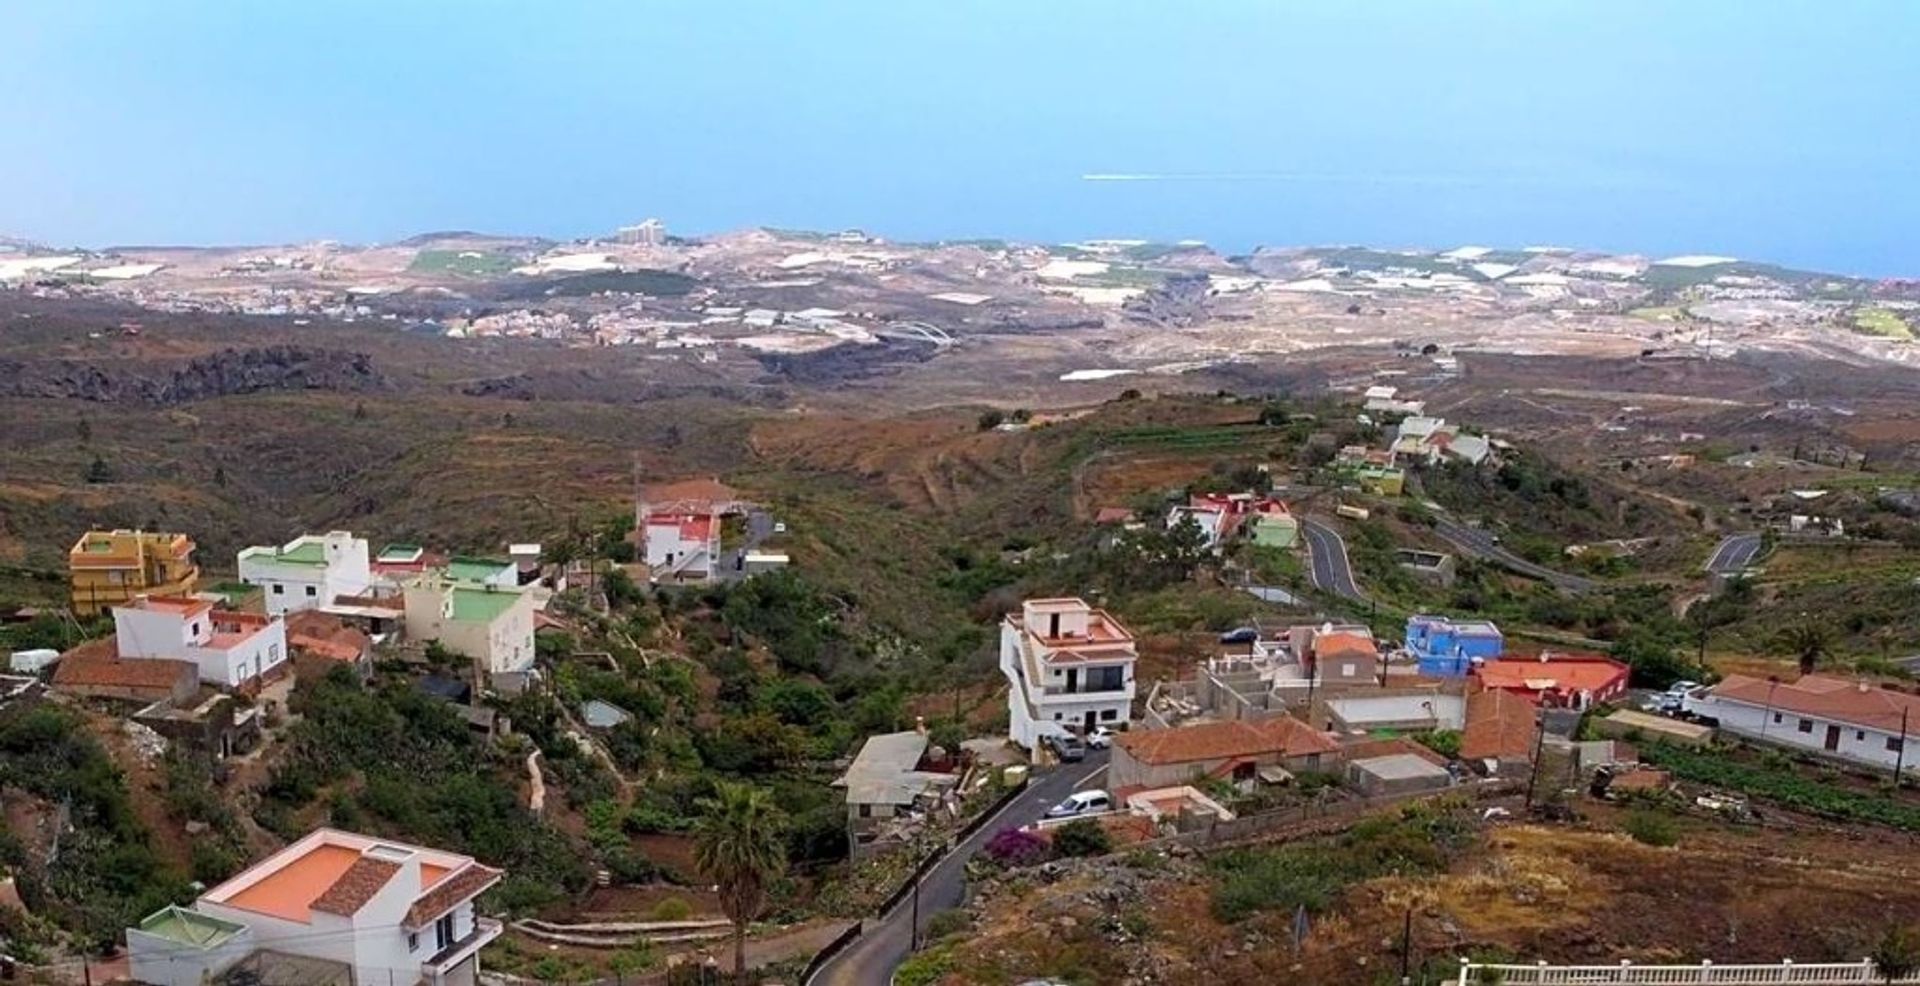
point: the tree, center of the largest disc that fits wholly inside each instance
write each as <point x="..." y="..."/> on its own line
<point x="99" y="472"/>
<point x="1082" y="837"/>
<point x="1897" y="955"/>
<point x="991" y="419"/>
<point x="359" y="411"/>
<point x="1808" y="642"/>
<point x="740" y="846"/>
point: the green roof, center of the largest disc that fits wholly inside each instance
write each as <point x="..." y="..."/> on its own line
<point x="401" y="550"/>
<point x="177" y="924"/>
<point x="481" y="605"/>
<point x="303" y="552"/>
<point x="475" y="569"/>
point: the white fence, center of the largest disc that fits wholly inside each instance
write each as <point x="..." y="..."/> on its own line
<point x="1626" y="974"/>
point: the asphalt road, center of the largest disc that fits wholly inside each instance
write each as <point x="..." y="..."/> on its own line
<point x="1734" y="554"/>
<point x="871" y="960"/>
<point x="1480" y="544"/>
<point x="1327" y="557"/>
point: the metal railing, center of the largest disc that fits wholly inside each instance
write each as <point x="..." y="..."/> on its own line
<point x="1704" y="974"/>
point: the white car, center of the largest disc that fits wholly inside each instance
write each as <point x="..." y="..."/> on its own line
<point x="1082" y="803"/>
<point x="780" y="527"/>
<point x="1100" y="738"/>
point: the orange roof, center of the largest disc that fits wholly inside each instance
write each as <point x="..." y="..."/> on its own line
<point x="1500" y="725"/>
<point x="183" y="605"/>
<point x="93" y="669"/>
<point x="1829" y="697"/>
<point x="1344" y="642"/>
<point x="1563" y="672"/>
<point x="693" y="526"/>
<point x="356" y="886"/>
<point x="326" y="636"/>
<point x="448" y="893"/>
<point x="290" y="891"/>
<point x="1283" y="735"/>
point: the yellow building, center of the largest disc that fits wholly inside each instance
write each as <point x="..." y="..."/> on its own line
<point x="109" y="568"/>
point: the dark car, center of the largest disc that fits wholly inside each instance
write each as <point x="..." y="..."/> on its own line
<point x="1243" y="635"/>
<point x="1068" y="747"/>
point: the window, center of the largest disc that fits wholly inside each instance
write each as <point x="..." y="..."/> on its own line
<point x="279" y="590"/>
<point x="1806" y="725"/>
<point x="1859" y="734"/>
<point x="413" y="941"/>
<point x="1894" y="743"/>
<point x="312" y="590"/>
<point x="443" y="932"/>
<point x="194" y="629"/>
<point x="1056" y="717"/>
<point x="1346" y="670"/>
<point x="866" y="811"/>
<point x="1109" y="714"/>
<point x="1776" y="718"/>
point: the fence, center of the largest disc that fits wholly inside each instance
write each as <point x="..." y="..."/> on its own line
<point x="1627" y="974"/>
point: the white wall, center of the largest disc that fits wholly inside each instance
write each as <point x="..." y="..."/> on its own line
<point x="164" y="962"/>
<point x="1859" y="744"/>
<point x="289" y="588"/>
<point x="504" y="645"/>
<point x="1032" y="714"/>
<point x="167" y="635"/>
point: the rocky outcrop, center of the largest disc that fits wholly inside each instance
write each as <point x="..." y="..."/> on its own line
<point x="221" y="374"/>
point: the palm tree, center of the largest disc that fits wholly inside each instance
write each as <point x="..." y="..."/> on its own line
<point x="738" y="844"/>
<point x="1808" y="641"/>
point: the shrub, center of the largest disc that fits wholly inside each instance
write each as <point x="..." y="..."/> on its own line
<point x="1017" y="847"/>
<point x="946" y="923"/>
<point x="672" y="909"/>
<point x="1651" y="828"/>
<point x="1082" y="837"/>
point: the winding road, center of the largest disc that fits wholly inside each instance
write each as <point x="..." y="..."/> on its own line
<point x="1734" y="553"/>
<point x="1328" y="566"/>
<point x="1480" y="544"/>
<point x="872" y="958"/>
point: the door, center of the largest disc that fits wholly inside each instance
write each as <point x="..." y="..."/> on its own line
<point x="1090" y="720"/>
<point x="1073" y="680"/>
<point x="1833" y="737"/>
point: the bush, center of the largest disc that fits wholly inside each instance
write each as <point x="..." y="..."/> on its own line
<point x="947" y="923"/>
<point x="672" y="909"/>
<point x="1082" y="837"/>
<point x="1017" y="847"/>
<point x="1652" y="828"/>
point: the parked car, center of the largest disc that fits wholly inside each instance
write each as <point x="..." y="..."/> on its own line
<point x="1068" y="747"/>
<point x="1241" y="635"/>
<point x="1082" y="803"/>
<point x="779" y="527"/>
<point x="1100" y="738"/>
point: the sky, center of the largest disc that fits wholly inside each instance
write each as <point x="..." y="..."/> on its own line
<point x="1767" y="130"/>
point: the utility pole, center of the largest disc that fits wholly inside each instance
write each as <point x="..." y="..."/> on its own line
<point x="914" y="945"/>
<point x="1539" y="743"/>
<point x="1406" y="950"/>
<point x="1900" y="752"/>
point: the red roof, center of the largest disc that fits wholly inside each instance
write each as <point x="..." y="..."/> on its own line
<point x="1559" y="673"/>
<point x="1283" y="735"/>
<point x="1856" y="702"/>
<point x="316" y="633"/>
<point x="1500" y="725"/>
<point x="692" y="527"/>
<point x="77" y="670"/>
<point x="1327" y="645"/>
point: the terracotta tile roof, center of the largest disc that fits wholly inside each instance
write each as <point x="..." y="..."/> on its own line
<point x="1113" y="515"/>
<point x="1564" y="672"/>
<point x="356" y="886"/>
<point x="1344" y="642"/>
<point x="449" y="892"/>
<point x="1283" y="735"/>
<point x="1828" y="697"/>
<point x="326" y="636"/>
<point x="106" y="671"/>
<point x="1500" y="725"/>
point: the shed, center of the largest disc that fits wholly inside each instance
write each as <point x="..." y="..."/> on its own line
<point x="32" y="661"/>
<point x="1398" y="773"/>
<point x="603" y="715"/>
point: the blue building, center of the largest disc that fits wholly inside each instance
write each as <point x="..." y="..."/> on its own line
<point x="1446" y="648"/>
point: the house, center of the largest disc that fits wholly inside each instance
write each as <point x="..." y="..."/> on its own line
<point x="1273" y="525"/>
<point x="489" y="624"/>
<point x="107" y="568"/>
<point x="1435" y="567"/>
<point x="308" y="571"/>
<point x="397" y="562"/>
<point x="211" y="721"/>
<point x="1561" y="681"/>
<point x="679" y="525"/>
<point x="1211" y="521"/>
<point x="526" y="561"/>
<point x="339" y="907"/>
<point x="1381" y="480"/>
<point x="1397" y="711"/>
<point x="321" y="641"/>
<point x="1445" y="648"/>
<point x="1336" y="652"/>
<point x="885" y="782"/>
<point x="1067" y="665"/>
<point x="93" y="670"/>
<point x="234" y="651"/>
<point x="1398" y="773"/>
<point x="1824" y="714"/>
<point x="1237" y="751"/>
<point x="1500" y="732"/>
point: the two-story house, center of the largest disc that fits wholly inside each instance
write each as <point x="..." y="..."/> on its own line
<point x="234" y="651"/>
<point x="107" y="568"/>
<point x="1067" y="665"/>
<point x="490" y="624"/>
<point x="309" y="571"/>
<point x="380" y="911"/>
<point x="1447" y="648"/>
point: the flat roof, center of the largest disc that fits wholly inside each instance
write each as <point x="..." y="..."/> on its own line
<point x="481" y="605"/>
<point x="469" y="569"/>
<point x="1399" y="766"/>
<point x="191" y="928"/>
<point x="289" y="891"/>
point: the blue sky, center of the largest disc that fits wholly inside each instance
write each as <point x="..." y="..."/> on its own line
<point x="1783" y="131"/>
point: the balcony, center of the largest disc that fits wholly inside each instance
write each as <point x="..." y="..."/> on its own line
<point x="444" y="961"/>
<point x="1088" y="690"/>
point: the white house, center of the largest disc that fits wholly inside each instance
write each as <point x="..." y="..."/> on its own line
<point x="309" y="571"/>
<point x="490" y="624"/>
<point x="683" y="546"/>
<point x="1836" y="717"/>
<point x="1067" y="665"/>
<point x="232" y="650"/>
<point x="1212" y="522"/>
<point x="333" y="902"/>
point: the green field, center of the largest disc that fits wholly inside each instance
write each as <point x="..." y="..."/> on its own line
<point x="463" y="263"/>
<point x="1881" y="322"/>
